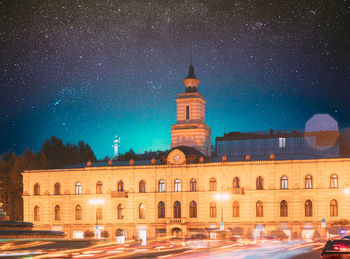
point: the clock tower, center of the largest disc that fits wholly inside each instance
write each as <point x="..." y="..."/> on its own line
<point x="190" y="129"/>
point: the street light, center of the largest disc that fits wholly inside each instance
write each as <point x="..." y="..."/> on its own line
<point x="96" y="202"/>
<point x="221" y="197"/>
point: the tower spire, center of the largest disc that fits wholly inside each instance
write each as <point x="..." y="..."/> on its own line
<point x="191" y="54"/>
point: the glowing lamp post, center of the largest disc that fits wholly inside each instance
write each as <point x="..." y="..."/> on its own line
<point x="96" y="202"/>
<point x="221" y="197"/>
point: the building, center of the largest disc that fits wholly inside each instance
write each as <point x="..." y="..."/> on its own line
<point x="189" y="194"/>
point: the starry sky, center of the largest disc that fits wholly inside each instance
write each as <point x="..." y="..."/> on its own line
<point x="90" y="70"/>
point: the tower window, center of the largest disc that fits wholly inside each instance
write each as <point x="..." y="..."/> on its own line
<point x="187" y="112"/>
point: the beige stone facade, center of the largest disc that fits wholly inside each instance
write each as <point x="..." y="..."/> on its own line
<point x="298" y="182"/>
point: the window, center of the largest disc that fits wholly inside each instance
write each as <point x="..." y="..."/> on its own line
<point x="161" y="186"/>
<point x="120" y="211"/>
<point x="212" y="184"/>
<point x="193" y="185"/>
<point x="177" y="210"/>
<point x="161" y="210"/>
<point x="57" y="189"/>
<point x="334" y="208"/>
<point x="283" y="209"/>
<point x="212" y="211"/>
<point x="235" y="209"/>
<point x="78" y="212"/>
<point x="236" y="182"/>
<point x="78" y="188"/>
<point x="281" y="142"/>
<point x="259" y="183"/>
<point x="177" y="185"/>
<point x="187" y="112"/>
<point x="99" y="187"/>
<point x="284" y="182"/>
<point x="142" y="211"/>
<point x="259" y="209"/>
<point x="334" y="181"/>
<point x="120" y="186"/>
<point x="193" y="209"/>
<point x="308" y="182"/>
<point x="36" y="213"/>
<point x="57" y="213"/>
<point x="142" y="186"/>
<point x="308" y="208"/>
<point x="99" y="214"/>
<point x="37" y="189"/>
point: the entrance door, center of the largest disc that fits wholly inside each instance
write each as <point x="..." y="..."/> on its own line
<point x="143" y="236"/>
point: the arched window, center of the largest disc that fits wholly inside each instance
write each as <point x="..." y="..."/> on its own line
<point x="334" y="181"/>
<point x="259" y="209"/>
<point x="235" y="209"/>
<point x="120" y="187"/>
<point x="334" y="208"/>
<point x="193" y="209"/>
<point x="36" y="189"/>
<point x="177" y="210"/>
<point x="142" y="211"/>
<point x="57" y="189"/>
<point x="212" y="211"/>
<point x="236" y="182"/>
<point x="120" y="211"/>
<point x="177" y="185"/>
<point x="283" y="209"/>
<point x="161" y="210"/>
<point x="308" y="208"/>
<point x="57" y="213"/>
<point x="284" y="182"/>
<point x="161" y="186"/>
<point x="78" y="188"/>
<point x="142" y="186"/>
<point x="308" y="182"/>
<point x="78" y="212"/>
<point x="99" y="214"/>
<point x="193" y="185"/>
<point x="259" y="183"/>
<point x="187" y="112"/>
<point x="212" y="185"/>
<point x="36" y="213"/>
<point x="99" y="187"/>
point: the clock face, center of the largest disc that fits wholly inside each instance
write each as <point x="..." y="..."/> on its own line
<point x="176" y="157"/>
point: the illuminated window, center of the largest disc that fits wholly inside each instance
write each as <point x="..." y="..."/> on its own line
<point x="57" y="213"/>
<point x="142" y="211"/>
<point x="259" y="183"/>
<point x="37" y="189"/>
<point x="78" y="188"/>
<point x="193" y="185"/>
<point x="308" y="182"/>
<point x="281" y="142"/>
<point x="57" y="189"/>
<point x="161" y="210"/>
<point x="177" y="185"/>
<point x="235" y="208"/>
<point x="212" y="185"/>
<point x="120" y="186"/>
<point x="284" y="182"/>
<point x="283" y="209"/>
<point x="161" y="186"/>
<point x="334" y="208"/>
<point x="99" y="187"/>
<point x="177" y="210"/>
<point x="236" y="182"/>
<point x="308" y="208"/>
<point x="212" y="211"/>
<point x="193" y="209"/>
<point x="187" y="112"/>
<point x="334" y="181"/>
<point x="120" y="211"/>
<point x="36" y="213"/>
<point x="99" y="214"/>
<point x="259" y="209"/>
<point x="142" y="186"/>
<point x="78" y="212"/>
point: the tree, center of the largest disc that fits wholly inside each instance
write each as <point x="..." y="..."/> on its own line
<point x="88" y="233"/>
<point x="127" y="156"/>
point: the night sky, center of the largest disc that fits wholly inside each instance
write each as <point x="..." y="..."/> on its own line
<point x="90" y="70"/>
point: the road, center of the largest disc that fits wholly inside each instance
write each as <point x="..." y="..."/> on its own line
<point x="186" y="249"/>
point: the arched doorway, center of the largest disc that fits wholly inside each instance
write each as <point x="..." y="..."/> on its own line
<point x="177" y="232"/>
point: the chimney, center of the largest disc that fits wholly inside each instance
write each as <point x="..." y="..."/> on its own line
<point x="110" y="163"/>
<point x="132" y="162"/>
<point x="88" y="163"/>
<point x="224" y="159"/>
<point x="247" y="157"/>
<point x="272" y="156"/>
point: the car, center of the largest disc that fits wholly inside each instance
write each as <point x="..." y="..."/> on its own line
<point x="346" y="237"/>
<point x="336" y="248"/>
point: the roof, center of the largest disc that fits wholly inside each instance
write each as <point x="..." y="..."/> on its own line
<point x="8" y="223"/>
<point x="114" y="163"/>
<point x="191" y="72"/>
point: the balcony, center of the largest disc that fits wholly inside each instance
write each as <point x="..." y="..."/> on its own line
<point x="236" y="190"/>
<point x="175" y="220"/>
<point x="117" y="194"/>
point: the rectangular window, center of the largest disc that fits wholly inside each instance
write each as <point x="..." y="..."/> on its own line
<point x="281" y="142"/>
